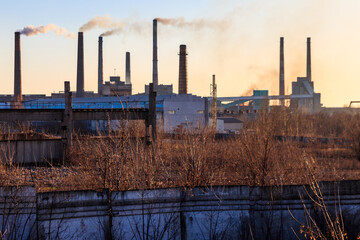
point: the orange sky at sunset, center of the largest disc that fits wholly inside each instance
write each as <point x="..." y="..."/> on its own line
<point x="238" y="41"/>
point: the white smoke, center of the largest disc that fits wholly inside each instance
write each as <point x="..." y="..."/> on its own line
<point x="32" y="30"/>
<point x="197" y="24"/>
<point x="111" y="32"/>
<point x="104" y="22"/>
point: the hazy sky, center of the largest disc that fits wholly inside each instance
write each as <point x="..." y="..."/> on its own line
<point x="238" y="40"/>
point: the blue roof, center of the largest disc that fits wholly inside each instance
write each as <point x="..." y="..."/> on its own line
<point x="134" y="101"/>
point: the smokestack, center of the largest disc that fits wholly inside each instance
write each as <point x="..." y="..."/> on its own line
<point x="100" y="66"/>
<point x="127" y="77"/>
<point x="155" y="58"/>
<point x="182" y="70"/>
<point x="80" y="66"/>
<point x="17" y="69"/>
<point x="281" y="73"/>
<point x="308" y="61"/>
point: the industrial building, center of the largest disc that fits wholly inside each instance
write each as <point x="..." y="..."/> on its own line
<point x="116" y="87"/>
<point x="184" y="111"/>
<point x="174" y="111"/>
<point x="113" y="87"/>
<point x="305" y="85"/>
<point x="230" y="125"/>
<point x="161" y="89"/>
<point x="303" y="95"/>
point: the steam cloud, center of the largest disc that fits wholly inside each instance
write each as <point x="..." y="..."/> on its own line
<point x="32" y="30"/>
<point x="103" y="22"/>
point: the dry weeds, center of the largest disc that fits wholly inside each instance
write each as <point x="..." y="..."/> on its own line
<point x="120" y="160"/>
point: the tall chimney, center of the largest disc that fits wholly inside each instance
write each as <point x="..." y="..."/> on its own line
<point x="127" y="77"/>
<point x="155" y="58"/>
<point x="100" y="66"/>
<point x="308" y="61"/>
<point x="182" y="70"/>
<point x="17" y="69"/>
<point x="80" y="66"/>
<point x="281" y="73"/>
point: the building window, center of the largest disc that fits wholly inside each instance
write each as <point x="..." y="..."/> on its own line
<point x="171" y="112"/>
<point x="200" y="111"/>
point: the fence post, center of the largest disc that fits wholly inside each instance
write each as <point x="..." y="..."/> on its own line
<point x="152" y="111"/>
<point x="67" y="122"/>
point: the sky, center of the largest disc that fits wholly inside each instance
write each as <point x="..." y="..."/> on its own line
<point x="237" y="40"/>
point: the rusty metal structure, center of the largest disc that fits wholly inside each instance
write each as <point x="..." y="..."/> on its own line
<point x="150" y="120"/>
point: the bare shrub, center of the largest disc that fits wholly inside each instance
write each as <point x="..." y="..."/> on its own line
<point x="262" y="158"/>
<point x="323" y="221"/>
<point x="262" y="154"/>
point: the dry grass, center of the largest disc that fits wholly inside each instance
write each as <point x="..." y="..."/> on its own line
<point x="121" y="160"/>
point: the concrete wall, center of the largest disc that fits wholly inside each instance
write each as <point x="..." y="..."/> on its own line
<point x="231" y="212"/>
<point x="18" y="212"/>
<point x="187" y="111"/>
<point x="31" y="151"/>
<point x="73" y="215"/>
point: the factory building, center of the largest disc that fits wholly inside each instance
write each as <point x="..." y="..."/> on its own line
<point x="260" y="104"/>
<point x="184" y="111"/>
<point x="116" y="87"/>
<point x="160" y="89"/>
<point x="231" y="125"/>
<point x="173" y="111"/>
<point x="305" y="86"/>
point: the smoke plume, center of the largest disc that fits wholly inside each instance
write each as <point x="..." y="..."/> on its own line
<point x="32" y="30"/>
<point x="197" y="24"/>
<point x="111" y="32"/>
<point x="180" y="22"/>
<point x="265" y="78"/>
<point x="104" y="22"/>
<point x="249" y="90"/>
